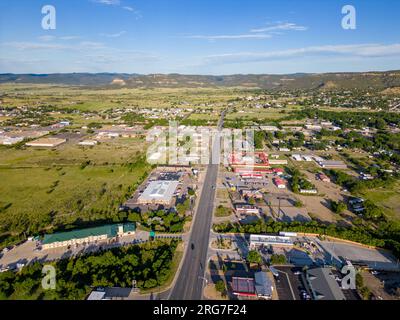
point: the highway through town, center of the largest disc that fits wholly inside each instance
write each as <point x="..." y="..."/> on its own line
<point x="190" y="281"/>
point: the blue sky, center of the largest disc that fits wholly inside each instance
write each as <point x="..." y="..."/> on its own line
<point x="198" y="36"/>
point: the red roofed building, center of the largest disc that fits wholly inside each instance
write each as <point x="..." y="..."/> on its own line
<point x="278" y="171"/>
<point x="280" y="183"/>
<point x="245" y="163"/>
<point x="243" y="287"/>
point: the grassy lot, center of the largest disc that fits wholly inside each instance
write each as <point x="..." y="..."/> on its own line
<point x="389" y="199"/>
<point x="114" y="151"/>
<point x="45" y="188"/>
<point x="101" y="99"/>
<point x="63" y="194"/>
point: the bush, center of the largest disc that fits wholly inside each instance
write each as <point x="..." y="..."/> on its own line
<point x="220" y="287"/>
<point x="278" y="259"/>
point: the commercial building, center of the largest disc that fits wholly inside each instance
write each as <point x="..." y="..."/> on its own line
<point x="46" y="142"/>
<point x="251" y="193"/>
<point x="323" y="284"/>
<point x="246" y="209"/>
<point x="159" y="192"/>
<point x="87" y="236"/>
<point x="280" y="183"/>
<point x="257" y="241"/>
<point x="243" y="287"/>
<point x="259" y="287"/>
<point x="257" y="162"/>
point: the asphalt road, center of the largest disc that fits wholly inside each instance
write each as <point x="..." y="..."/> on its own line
<point x="190" y="282"/>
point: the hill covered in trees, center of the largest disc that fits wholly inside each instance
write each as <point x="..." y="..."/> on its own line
<point x="299" y="81"/>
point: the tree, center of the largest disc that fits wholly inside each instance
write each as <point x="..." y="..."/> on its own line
<point x="278" y="259"/>
<point x="338" y="207"/>
<point x="254" y="257"/>
<point x="220" y="287"/>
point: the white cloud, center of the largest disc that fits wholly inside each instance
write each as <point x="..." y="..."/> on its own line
<point x="23" y="46"/>
<point x="265" y="33"/>
<point x="353" y="50"/>
<point x="230" y="37"/>
<point x="108" y="2"/>
<point x="113" y="35"/>
<point x="70" y="38"/>
<point x="286" y="26"/>
<point x="47" y="38"/>
<point x="117" y="3"/>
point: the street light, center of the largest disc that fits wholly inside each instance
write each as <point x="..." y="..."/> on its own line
<point x="203" y="278"/>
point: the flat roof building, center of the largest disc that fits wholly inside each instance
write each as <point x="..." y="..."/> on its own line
<point x="260" y="286"/>
<point x="159" y="192"/>
<point x="89" y="235"/>
<point x="267" y="240"/>
<point x="46" y="142"/>
<point x="332" y="164"/>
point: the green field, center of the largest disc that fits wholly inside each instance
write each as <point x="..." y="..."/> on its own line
<point x="389" y="199"/>
<point x="46" y="188"/>
<point x="114" y="151"/>
<point x="84" y="99"/>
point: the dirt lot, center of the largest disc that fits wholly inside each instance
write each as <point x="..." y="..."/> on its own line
<point x="384" y="285"/>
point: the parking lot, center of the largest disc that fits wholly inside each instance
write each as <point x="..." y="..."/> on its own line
<point x="289" y="284"/>
<point x="373" y="258"/>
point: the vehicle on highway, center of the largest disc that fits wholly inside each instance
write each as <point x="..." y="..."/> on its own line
<point x="192" y="246"/>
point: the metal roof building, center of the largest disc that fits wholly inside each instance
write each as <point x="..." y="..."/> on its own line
<point x="159" y="192"/>
<point x="88" y="235"/>
<point x="266" y="240"/>
<point x="263" y="285"/>
<point x="323" y="284"/>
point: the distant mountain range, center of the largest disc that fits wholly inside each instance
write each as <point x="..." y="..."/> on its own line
<point x="323" y="81"/>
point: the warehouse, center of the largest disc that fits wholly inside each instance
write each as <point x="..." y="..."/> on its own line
<point x="159" y="192"/>
<point x="46" y="142"/>
<point x="332" y="164"/>
<point x="87" y="236"/>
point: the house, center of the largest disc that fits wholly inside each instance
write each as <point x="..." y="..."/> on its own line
<point x="280" y="183"/>
<point x="309" y="191"/>
<point x="297" y="157"/>
<point x="88" y="143"/>
<point x="323" y="177"/>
